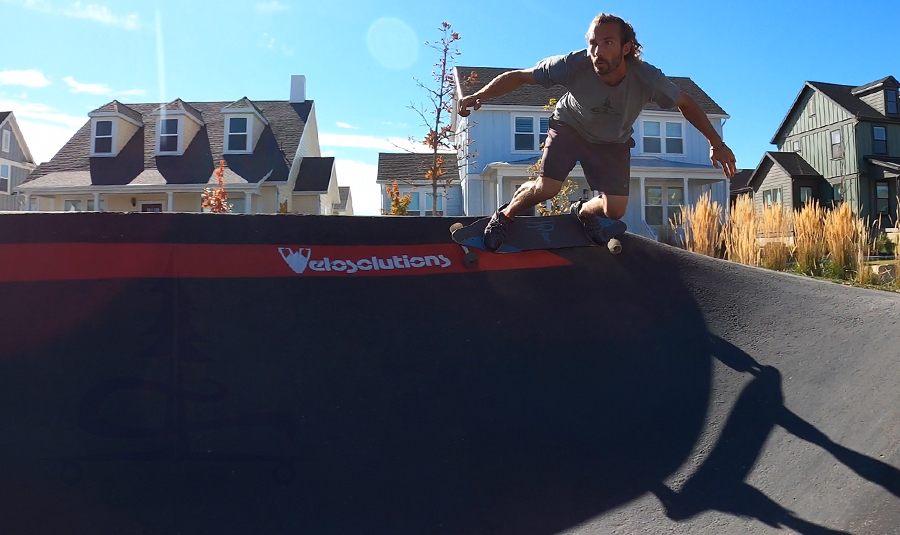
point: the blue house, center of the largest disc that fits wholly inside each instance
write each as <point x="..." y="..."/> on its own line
<point x="670" y="164"/>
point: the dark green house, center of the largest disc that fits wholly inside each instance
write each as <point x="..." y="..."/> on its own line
<point x="837" y="143"/>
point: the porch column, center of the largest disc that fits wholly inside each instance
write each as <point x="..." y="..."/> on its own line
<point x="727" y="199"/>
<point x="687" y="195"/>
<point x="643" y="201"/>
<point x="248" y="202"/>
<point x="499" y="192"/>
<point x="27" y="202"/>
<point x="171" y="199"/>
<point x="96" y="202"/>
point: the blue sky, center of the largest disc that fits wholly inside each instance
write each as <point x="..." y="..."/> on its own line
<point x="60" y="59"/>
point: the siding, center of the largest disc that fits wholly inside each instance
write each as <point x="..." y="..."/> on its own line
<point x="815" y="147"/>
<point x="826" y="113"/>
<point x="876" y="100"/>
<point x="775" y="178"/>
<point x="17" y="175"/>
<point x="15" y="151"/>
<point x="865" y="139"/>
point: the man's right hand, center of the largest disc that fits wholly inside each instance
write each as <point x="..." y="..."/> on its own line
<point x="468" y="102"/>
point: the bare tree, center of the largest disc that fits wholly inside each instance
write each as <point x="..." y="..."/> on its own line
<point x="441" y="137"/>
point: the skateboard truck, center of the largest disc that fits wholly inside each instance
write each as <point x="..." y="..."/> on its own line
<point x="470" y="259"/>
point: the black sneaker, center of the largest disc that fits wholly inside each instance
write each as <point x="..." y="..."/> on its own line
<point x="495" y="230"/>
<point x="592" y="228"/>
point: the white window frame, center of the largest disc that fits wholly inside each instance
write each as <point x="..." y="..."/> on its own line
<point x="162" y="204"/>
<point x="662" y="136"/>
<point x="114" y="132"/>
<point x="840" y="143"/>
<point x="249" y="146"/>
<point x="536" y="132"/>
<point x="6" y="141"/>
<point x="665" y="185"/>
<point x="73" y="201"/>
<point x="8" y="177"/>
<point x="179" y="133"/>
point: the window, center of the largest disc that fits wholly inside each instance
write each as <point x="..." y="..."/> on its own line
<point x="527" y="138"/>
<point x="796" y="146"/>
<point x="812" y="106"/>
<point x="413" y="208"/>
<point x="103" y="137"/>
<point x="237" y="133"/>
<point x="152" y="206"/>
<point x="882" y="205"/>
<point x="892" y="103"/>
<point x="72" y="206"/>
<point x="662" y="204"/>
<point x="653" y="138"/>
<point x="879" y="140"/>
<point x="426" y="210"/>
<point x="771" y="197"/>
<point x="4" y="178"/>
<point x="168" y="135"/>
<point x="90" y="205"/>
<point x="238" y="206"/>
<point x="805" y="195"/>
<point x="5" y="147"/>
<point x="837" y="149"/>
<point x="838" y="190"/>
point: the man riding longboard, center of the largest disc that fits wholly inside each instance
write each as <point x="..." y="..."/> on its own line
<point x="607" y="86"/>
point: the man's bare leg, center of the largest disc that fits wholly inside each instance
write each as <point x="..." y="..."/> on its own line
<point x="603" y="205"/>
<point x="532" y="193"/>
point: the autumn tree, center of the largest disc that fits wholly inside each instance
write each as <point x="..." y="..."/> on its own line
<point x="216" y="199"/>
<point x="441" y="136"/>
<point x="399" y="203"/>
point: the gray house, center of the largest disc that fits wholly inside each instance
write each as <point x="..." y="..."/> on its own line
<point x="16" y="162"/>
<point x="837" y="143"/>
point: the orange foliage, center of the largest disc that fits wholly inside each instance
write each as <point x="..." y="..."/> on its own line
<point x="216" y="198"/>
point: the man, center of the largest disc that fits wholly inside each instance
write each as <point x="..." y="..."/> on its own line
<point x="608" y="85"/>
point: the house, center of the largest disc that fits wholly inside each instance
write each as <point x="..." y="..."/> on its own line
<point x="408" y="170"/>
<point x="161" y="158"/>
<point x="16" y="162"/>
<point x="345" y="207"/>
<point x="740" y="184"/>
<point x="837" y="143"/>
<point x="670" y="164"/>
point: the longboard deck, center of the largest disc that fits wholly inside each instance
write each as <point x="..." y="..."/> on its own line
<point x="528" y="233"/>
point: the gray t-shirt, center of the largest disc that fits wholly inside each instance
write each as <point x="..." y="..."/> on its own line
<point x="602" y="113"/>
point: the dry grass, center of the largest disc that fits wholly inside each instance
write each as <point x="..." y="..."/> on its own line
<point x="701" y="226"/>
<point x="863" y="245"/>
<point x="809" y="239"/>
<point x="740" y="233"/>
<point x="776" y="232"/>
<point x="840" y="240"/>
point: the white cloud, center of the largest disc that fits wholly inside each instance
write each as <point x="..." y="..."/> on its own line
<point x="345" y="125"/>
<point x="370" y="142"/>
<point x="29" y="78"/>
<point x="365" y="193"/>
<point x="43" y="113"/>
<point x="44" y="140"/>
<point x="92" y="89"/>
<point x="270" y="8"/>
<point x="94" y="12"/>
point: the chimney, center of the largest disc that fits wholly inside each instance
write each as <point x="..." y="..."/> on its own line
<point x="298" y="89"/>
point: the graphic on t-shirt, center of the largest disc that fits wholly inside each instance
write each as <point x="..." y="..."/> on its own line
<point x="605" y="109"/>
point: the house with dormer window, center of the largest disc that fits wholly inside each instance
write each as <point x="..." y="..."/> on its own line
<point x="161" y="158"/>
<point x="837" y="143"/>
<point x="16" y="162"/>
<point x="670" y="164"/>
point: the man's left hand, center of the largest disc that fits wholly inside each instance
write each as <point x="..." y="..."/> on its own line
<point x="723" y="158"/>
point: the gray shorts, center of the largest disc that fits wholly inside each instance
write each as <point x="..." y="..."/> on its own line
<point x="607" y="166"/>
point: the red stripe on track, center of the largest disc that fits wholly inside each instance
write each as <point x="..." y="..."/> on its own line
<point x="92" y="261"/>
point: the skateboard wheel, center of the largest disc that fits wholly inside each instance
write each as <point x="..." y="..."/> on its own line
<point x="614" y="245"/>
<point x="470" y="260"/>
<point x="455" y="226"/>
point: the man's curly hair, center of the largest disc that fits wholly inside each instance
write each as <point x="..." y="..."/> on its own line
<point x="625" y="29"/>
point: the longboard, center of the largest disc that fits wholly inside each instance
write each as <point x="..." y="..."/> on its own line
<point x="528" y="233"/>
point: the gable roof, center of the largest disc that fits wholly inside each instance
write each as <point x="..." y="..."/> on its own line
<point x="137" y="163"/>
<point x="4" y="115"/>
<point x="345" y="197"/>
<point x="117" y="107"/>
<point x="314" y="174"/>
<point x="180" y="105"/>
<point x="887" y="80"/>
<point x="792" y="163"/>
<point x="536" y="95"/>
<point x="843" y="96"/>
<point x="9" y="116"/>
<point x="405" y="167"/>
<point x="741" y="180"/>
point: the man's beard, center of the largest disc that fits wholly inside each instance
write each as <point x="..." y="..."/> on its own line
<point x="607" y="67"/>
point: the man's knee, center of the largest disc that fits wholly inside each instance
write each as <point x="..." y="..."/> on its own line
<point x="546" y="188"/>
<point x="616" y="206"/>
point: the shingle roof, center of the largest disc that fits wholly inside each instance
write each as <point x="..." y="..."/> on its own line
<point x="274" y="151"/>
<point x="792" y="163"/>
<point x="180" y="105"/>
<point x="890" y="80"/>
<point x="242" y="104"/>
<point x="4" y="115"/>
<point x="741" y="179"/>
<point x="314" y="174"/>
<point x="536" y="95"/>
<point x="402" y="166"/>
<point x="345" y="196"/>
<point x="117" y="107"/>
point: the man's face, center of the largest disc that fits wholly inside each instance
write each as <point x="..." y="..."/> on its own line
<point x="605" y="48"/>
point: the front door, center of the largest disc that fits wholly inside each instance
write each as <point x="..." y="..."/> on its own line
<point x="662" y="205"/>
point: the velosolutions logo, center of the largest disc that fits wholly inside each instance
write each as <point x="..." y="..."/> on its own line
<point x="301" y="260"/>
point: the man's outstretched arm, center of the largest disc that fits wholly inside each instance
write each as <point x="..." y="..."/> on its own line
<point x="499" y="86"/>
<point x="720" y="155"/>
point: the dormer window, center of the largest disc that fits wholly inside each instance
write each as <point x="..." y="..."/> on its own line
<point x="103" y="138"/>
<point x="237" y="134"/>
<point x="168" y="135"/>
<point x="5" y="147"/>
<point x="892" y="104"/>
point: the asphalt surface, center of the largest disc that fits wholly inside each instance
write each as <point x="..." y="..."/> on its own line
<point x="175" y="373"/>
